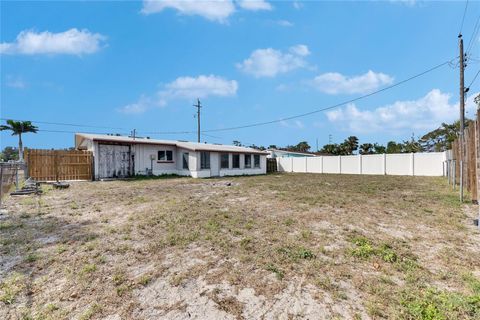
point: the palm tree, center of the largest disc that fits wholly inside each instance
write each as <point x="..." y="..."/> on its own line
<point x="17" y="128"/>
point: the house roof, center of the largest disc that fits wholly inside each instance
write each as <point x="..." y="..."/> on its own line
<point x="291" y="152"/>
<point x="193" y="146"/>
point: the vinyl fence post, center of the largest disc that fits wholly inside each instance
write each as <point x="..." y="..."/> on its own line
<point x="412" y="163"/>
<point x="1" y="185"/>
<point x="340" y="164"/>
<point x="359" y="163"/>
<point x="384" y="164"/>
<point x="454" y="174"/>
<point x="16" y="177"/>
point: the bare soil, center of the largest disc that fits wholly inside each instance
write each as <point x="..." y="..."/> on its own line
<point x="282" y="246"/>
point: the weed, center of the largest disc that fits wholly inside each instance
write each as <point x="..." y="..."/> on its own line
<point x="246" y="243"/>
<point x="74" y="205"/>
<point x="363" y="248"/>
<point x="296" y="253"/>
<point x="118" y="278"/>
<point x="51" y="307"/>
<point x="8" y="225"/>
<point x="88" y="268"/>
<point x="11" y="287"/>
<point x="31" y="257"/>
<point x="433" y="304"/>
<point x="306" y="234"/>
<point x="289" y="222"/>
<point x="90" y="312"/>
<point x="61" y="249"/>
<point x="387" y="254"/>
<point x="145" y="279"/>
<point x="278" y="273"/>
<point x="122" y="289"/>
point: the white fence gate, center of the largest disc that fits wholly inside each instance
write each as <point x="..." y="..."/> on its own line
<point x="403" y="164"/>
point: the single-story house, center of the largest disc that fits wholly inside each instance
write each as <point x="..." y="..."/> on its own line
<point x="121" y="156"/>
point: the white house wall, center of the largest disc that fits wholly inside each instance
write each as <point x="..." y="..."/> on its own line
<point x="418" y="164"/>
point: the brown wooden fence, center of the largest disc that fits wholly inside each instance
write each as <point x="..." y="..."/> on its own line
<point x="471" y="164"/>
<point x="56" y="165"/>
<point x="271" y="165"/>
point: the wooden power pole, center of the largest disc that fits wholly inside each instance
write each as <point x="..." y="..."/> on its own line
<point x="462" y="114"/>
<point x="198" y="106"/>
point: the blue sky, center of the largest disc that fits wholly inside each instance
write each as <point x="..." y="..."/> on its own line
<point x="141" y="65"/>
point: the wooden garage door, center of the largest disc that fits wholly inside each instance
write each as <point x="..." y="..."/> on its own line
<point x="113" y="161"/>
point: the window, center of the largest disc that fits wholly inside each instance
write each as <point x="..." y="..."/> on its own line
<point x="204" y="160"/>
<point x="256" y="161"/>
<point x="224" y="161"/>
<point x="185" y="160"/>
<point x="235" y="161"/>
<point x="165" y="155"/>
<point x="248" y="161"/>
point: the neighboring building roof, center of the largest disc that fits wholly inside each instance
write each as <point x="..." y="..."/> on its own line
<point x="193" y="146"/>
<point x="290" y="153"/>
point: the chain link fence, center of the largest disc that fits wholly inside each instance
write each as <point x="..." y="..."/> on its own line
<point x="10" y="173"/>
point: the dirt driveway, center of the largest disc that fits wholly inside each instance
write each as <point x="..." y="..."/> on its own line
<point x="289" y="246"/>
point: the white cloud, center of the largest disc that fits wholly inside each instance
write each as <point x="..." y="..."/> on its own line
<point x="285" y="23"/>
<point x="15" y="82"/>
<point x="337" y="83"/>
<point x="185" y="88"/>
<point x="270" y="62"/>
<point x="423" y="114"/>
<point x="296" y="124"/>
<point x="297" y="5"/>
<point x="73" y="41"/>
<point x="137" y="107"/>
<point x="199" y="87"/>
<point x="218" y="10"/>
<point x="300" y="49"/>
<point x="254" y="5"/>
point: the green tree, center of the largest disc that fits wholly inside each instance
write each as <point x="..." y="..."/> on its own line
<point x="441" y="138"/>
<point x="378" y="148"/>
<point x="18" y="128"/>
<point x="412" y="146"/>
<point x="394" y="147"/>
<point x="9" y="153"/>
<point x="237" y="143"/>
<point x="366" y="148"/>
<point x="331" y="148"/>
<point x="302" y="146"/>
<point x="349" y="145"/>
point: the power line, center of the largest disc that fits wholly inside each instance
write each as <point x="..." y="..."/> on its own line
<point x="336" y="105"/>
<point x="474" y="78"/>
<point x="67" y="124"/>
<point x="463" y="18"/>
<point x="272" y="121"/>
<point x="471" y="43"/>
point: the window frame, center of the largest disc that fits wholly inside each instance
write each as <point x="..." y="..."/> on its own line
<point x="164" y="158"/>
<point x="222" y="155"/>
<point x="207" y="165"/>
<point x="256" y="159"/>
<point x="235" y="155"/>
<point x="249" y="157"/>
<point x="185" y="161"/>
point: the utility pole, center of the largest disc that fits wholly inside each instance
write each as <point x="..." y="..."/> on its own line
<point x="462" y="112"/>
<point x="198" y="106"/>
<point x="134" y="132"/>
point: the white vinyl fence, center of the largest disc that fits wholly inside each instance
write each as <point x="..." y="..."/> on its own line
<point x="403" y="164"/>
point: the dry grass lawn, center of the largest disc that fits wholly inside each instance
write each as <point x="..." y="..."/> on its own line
<point x="286" y="246"/>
